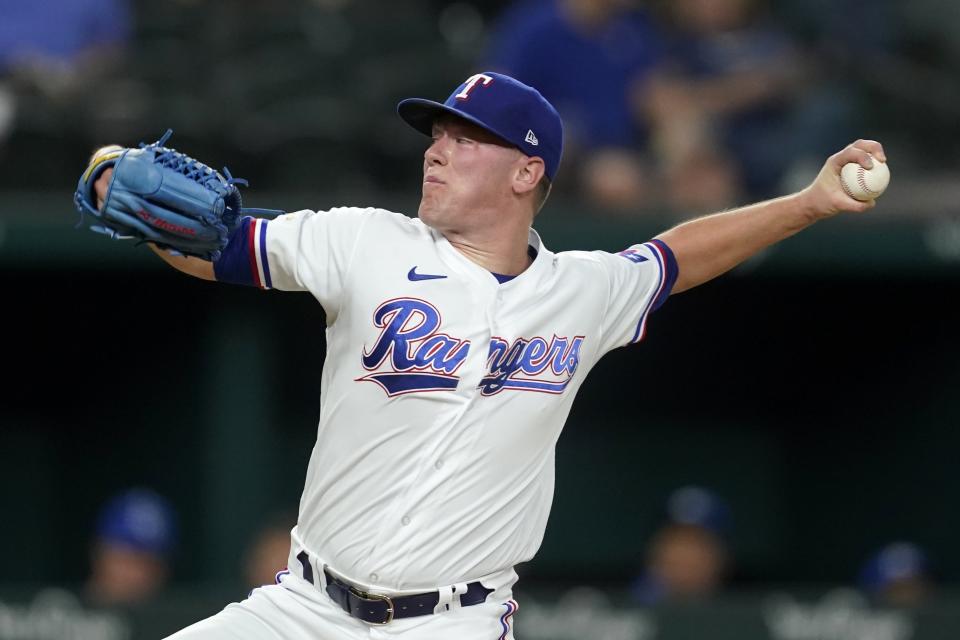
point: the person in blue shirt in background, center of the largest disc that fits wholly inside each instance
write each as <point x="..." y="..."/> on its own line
<point x="898" y="575"/>
<point x="589" y="58"/>
<point x="130" y="559"/>
<point x="54" y="51"/>
<point x="688" y="557"/>
<point x="733" y="91"/>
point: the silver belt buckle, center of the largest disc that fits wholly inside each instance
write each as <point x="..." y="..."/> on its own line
<point x="376" y="596"/>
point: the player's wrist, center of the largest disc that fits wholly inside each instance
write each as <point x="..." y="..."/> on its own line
<point x="805" y="207"/>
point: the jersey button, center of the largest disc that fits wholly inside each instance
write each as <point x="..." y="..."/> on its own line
<point x="374" y="577"/>
<point x="438" y="464"/>
<point x="405" y="520"/>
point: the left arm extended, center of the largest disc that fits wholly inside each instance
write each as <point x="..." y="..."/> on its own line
<point x="709" y="246"/>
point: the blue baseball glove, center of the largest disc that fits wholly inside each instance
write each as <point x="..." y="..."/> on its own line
<point x="160" y="195"/>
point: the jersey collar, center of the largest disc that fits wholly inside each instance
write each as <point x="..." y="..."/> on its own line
<point x="471" y="270"/>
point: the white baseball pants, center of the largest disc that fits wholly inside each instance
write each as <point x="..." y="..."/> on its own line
<point x="295" y="610"/>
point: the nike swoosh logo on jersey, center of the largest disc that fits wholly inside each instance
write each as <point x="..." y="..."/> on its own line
<point x="413" y="276"/>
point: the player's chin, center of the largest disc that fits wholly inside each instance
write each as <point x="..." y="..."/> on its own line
<point x="429" y="211"/>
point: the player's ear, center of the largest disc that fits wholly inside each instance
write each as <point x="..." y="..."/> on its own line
<point x="528" y="174"/>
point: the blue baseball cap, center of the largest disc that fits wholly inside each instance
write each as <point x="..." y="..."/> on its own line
<point x="502" y="105"/>
<point x="140" y="519"/>
<point x="896" y="561"/>
<point x="699" y="507"/>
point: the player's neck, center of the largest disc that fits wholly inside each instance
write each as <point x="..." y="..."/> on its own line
<point x="506" y="256"/>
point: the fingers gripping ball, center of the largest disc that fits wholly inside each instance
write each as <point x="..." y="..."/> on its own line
<point x="160" y="195"/>
<point x="865" y="184"/>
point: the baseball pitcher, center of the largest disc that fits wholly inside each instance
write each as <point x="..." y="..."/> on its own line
<point x="456" y="343"/>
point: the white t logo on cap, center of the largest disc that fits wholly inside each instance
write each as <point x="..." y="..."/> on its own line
<point x="471" y="83"/>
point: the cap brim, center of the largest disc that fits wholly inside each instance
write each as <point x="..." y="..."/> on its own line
<point x="420" y="114"/>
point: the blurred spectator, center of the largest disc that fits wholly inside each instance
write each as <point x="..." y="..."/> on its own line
<point x="897" y="576"/>
<point x="723" y="104"/>
<point x="135" y="536"/>
<point x="267" y="553"/>
<point x="588" y="57"/>
<point x="687" y="558"/>
<point x="55" y="48"/>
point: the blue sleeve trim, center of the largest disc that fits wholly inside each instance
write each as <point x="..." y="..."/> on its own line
<point x="667" y="272"/>
<point x="672" y="271"/>
<point x="233" y="266"/>
<point x="262" y="259"/>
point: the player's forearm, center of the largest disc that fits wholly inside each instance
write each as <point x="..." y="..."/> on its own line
<point x="709" y="246"/>
<point x="195" y="267"/>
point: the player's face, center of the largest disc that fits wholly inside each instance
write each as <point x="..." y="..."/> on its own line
<point x="467" y="176"/>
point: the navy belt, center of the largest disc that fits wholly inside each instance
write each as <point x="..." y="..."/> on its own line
<point x="375" y="608"/>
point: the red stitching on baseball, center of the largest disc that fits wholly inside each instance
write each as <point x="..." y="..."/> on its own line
<point x="862" y="180"/>
<point x="846" y="189"/>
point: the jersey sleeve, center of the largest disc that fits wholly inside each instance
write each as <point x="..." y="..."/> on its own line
<point x="639" y="279"/>
<point x="302" y="251"/>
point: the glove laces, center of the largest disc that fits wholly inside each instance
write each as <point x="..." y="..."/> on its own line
<point x="192" y="168"/>
<point x="195" y="170"/>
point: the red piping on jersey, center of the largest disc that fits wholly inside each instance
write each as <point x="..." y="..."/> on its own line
<point x="252" y="248"/>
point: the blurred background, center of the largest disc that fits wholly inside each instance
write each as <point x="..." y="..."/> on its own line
<point x="778" y="459"/>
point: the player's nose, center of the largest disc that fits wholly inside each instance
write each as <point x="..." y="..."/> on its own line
<point x="434" y="153"/>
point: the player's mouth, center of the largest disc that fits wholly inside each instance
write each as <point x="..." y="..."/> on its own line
<point x="432" y="180"/>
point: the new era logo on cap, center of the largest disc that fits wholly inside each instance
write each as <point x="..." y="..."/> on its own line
<point x="503" y="106"/>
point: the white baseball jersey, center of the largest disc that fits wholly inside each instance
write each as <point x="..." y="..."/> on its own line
<point x="443" y="391"/>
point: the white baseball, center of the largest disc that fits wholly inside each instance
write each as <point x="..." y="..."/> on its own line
<point x="865" y="184"/>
